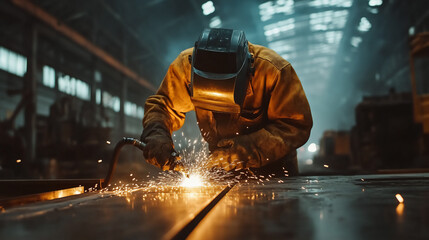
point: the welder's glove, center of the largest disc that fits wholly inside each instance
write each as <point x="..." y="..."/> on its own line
<point x="159" y="145"/>
<point x="234" y="154"/>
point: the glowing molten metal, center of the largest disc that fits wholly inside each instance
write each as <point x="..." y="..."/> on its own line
<point x="192" y="181"/>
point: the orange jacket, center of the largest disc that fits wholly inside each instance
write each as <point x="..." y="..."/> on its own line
<point x="276" y="115"/>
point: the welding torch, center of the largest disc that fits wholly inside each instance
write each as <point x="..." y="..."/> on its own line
<point x="173" y="163"/>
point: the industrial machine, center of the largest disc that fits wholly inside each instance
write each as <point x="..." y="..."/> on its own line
<point x="419" y="60"/>
<point x="391" y="131"/>
<point x="73" y="135"/>
<point x="385" y="135"/>
<point x="334" y="151"/>
<point x="66" y="140"/>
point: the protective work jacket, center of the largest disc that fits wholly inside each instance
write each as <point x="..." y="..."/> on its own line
<point x="275" y="119"/>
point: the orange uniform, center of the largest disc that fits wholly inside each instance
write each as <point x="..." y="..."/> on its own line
<point x="275" y="119"/>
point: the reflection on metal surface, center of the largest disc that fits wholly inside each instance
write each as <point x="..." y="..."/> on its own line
<point x="41" y="197"/>
<point x="184" y="206"/>
<point x="167" y="195"/>
<point x="400" y="209"/>
<point x="336" y="207"/>
<point x="185" y="230"/>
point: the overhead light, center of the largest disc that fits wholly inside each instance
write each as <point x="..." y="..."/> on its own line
<point x="208" y="8"/>
<point x="364" y="25"/>
<point x="215" y="22"/>
<point x="411" y="31"/>
<point x="312" y="147"/>
<point x="373" y="10"/>
<point x="355" y="41"/>
<point x="375" y="3"/>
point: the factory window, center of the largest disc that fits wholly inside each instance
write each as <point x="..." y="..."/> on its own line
<point x="82" y="90"/>
<point x="281" y="46"/>
<point x="98" y="96"/>
<point x="48" y="76"/>
<point x="282" y="28"/>
<point x="112" y="102"/>
<point x="74" y="87"/>
<point x="268" y="9"/>
<point x="322" y="21"/>
<point x="131" y="109"/>
<point x="12" y="62"/>
<point x="333" y="37"/>
<point x="140" y="112"/>
<point x="331" y="3"/>
<point x="321" y="48"/>
<point x="97" y="76"/>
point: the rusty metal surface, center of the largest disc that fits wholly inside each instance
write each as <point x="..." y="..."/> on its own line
<point x="334" y="207"/>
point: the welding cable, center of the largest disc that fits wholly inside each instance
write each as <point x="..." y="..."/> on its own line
<point x="125" y="141"/>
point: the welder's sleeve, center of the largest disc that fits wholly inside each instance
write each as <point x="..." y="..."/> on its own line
<point x="288" y="127"/>
<point x="172" y="100"/>
<point x="289" y="121"/>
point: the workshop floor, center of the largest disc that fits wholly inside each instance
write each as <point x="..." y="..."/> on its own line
<point x="325" y="207"/>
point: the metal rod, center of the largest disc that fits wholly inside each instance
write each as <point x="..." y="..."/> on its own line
<point x="191" y="225"/>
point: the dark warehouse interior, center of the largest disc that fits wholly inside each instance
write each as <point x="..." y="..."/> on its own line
<point x="75" y="76"/>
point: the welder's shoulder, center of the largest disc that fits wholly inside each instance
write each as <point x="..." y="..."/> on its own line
<point x="182" y="60"/>
<point x="185" y="54"/>
<point x="265" y="54"/>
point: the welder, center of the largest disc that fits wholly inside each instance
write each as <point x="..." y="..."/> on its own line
<point x="249" y="102"/>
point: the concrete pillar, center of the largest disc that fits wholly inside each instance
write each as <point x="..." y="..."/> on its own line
<point x="30" y="85"/>
<point x="124" y="87"/>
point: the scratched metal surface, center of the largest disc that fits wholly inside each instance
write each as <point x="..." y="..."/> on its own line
<point x="145" y="214"/>
<point x="328" y="207"/>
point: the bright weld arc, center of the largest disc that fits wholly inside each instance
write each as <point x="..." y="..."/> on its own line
<point x="192" y="181"/>
<point x="195" y="160"/>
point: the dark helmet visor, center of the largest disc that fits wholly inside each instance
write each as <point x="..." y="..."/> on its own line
<point x="220" y="70"/>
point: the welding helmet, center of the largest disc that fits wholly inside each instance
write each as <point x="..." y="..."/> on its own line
<point x="221" y="70"/>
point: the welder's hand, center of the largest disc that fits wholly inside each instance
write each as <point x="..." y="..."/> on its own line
<point x="159" y="145"/>
<point x="158" y="150"/>
<point x="234" y="154"/>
